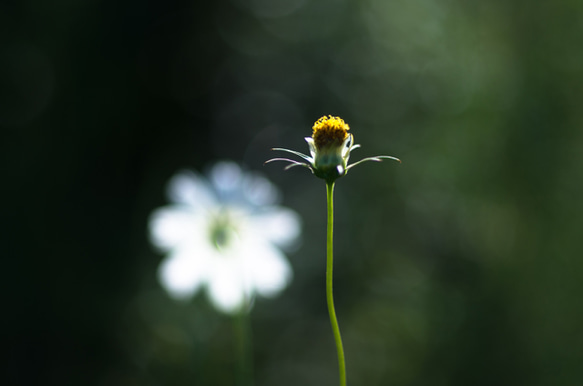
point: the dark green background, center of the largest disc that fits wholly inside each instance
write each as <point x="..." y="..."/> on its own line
<point x="462" y="266"/>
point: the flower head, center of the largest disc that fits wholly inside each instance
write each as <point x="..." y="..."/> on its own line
<point x="329" y="132"/>
<point x="224" y="235"/>
<point x="330" y="146"/>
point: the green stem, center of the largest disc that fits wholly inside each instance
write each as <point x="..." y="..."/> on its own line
<point x="329" y="295"/>
<point x="244" y="349"/>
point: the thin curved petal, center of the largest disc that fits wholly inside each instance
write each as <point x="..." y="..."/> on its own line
<point x="301" y="155"/>
<point x="291" y="161"/>
<point x="388" y="157"/>
<point x="378" y="158"/>
<point x="282" y="159"/>
<point x="187" y="188"/>
<point x="299" y="164"/>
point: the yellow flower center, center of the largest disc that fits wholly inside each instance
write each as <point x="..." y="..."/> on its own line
<point x="329" y="131"/>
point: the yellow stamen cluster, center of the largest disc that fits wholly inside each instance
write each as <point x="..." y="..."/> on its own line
<point x="329" y="131"/>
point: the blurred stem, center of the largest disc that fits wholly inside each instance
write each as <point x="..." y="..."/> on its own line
<point x="329" y="274"/>
<point x="244" y="347"/>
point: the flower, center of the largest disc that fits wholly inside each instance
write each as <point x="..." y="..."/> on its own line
<point x="224" y="235"/>
<point x="330" y="146"/>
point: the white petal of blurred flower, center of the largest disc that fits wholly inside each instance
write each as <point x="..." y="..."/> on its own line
<point x="225" y="234"/>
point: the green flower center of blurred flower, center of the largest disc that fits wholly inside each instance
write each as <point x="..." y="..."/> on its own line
<point x="223" y="232"/>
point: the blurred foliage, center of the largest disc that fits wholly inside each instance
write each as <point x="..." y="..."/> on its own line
<point x="460" y="266"/>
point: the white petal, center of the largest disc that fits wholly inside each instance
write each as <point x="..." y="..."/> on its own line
<point x="226" y="177"/>
<point x="190" y="189"/>
<point x="267" y="268"/>
<point x="259" y="191"/>
<point x="312" y="146"/>
<point x="346" y="146"/>
<point x="277" y="225"/>
<point x="173" y="226"/>
<point x="226" y="287"/>
<point x="181" y="274"/>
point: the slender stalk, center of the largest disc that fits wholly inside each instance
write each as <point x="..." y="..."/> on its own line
<point x="244" y="349"/>
<point x="329" y="295"/>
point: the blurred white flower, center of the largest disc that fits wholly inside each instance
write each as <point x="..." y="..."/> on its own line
<point x="224" y="234"/>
